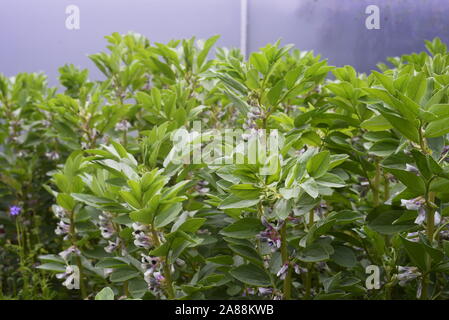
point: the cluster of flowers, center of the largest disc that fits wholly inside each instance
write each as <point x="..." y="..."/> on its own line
<point x="202" y="188"/>
<point x="63" y="226"/>
<point x="418" y="204"/>
<point x="253" y="115"/>
<point x="108" y="231"/>
<point x="153" y="275"/>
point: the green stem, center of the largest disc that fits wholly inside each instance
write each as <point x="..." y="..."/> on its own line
<point x="285" y="260"/>
<point x="430" y="229"/>
<point x="125" y="138"/>
<point x="309" y="275"/>
<point x="78" y="258"/>
<point x="430" y="223"/>
<point x="376" y="185"/>
<point x="386" y="187"/>
<point x="308" y="285"/>
<point x="424" y="283"/>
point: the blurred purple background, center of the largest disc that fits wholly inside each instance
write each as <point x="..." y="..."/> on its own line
<point x="34" y="37"/>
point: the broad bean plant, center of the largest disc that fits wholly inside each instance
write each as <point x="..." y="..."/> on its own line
<point x="124" y="188"/>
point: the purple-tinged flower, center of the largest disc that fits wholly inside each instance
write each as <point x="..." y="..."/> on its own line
<point x="265" y="291"/>
<point x="271" y="234"/>
<point x="249" y="292"/>
<point x="155" y="281"/>
<point x="71" y="277"/>
<point x="149" y="263"/>
<point x="112" y="245"/>
<point x="413" y="204"/>
<point x="298" y="269"/>
<point x="282" y="271"/>
<point x="202" y="188"/>
<point x="159" y="277"/>
<point x="14" y="210"/>
<point x="59" y="211"/>
<point x="123" y="125"/>
<point x="62" y="228"/>
<point x="406" y="274"/>
<point x="105" y="225"/>
<point x="419" y="205"/>
<point x="66" y="253"/>
<point x="141" y="239"/>
<point x="53" y="155"/>
<point x="422" y="217"/>
<point x="413" y="236"/>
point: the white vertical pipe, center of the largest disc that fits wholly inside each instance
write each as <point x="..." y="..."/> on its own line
<point x="243" y="26"/>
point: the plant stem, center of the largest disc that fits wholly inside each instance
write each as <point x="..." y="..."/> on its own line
<point x="376" y="185"/>
<point x="309" y="275"/>
<point x="285" y="260"/>
<point x="308" y="285"/>
<point x="424" y="287"/>
<point x="78" y="258"/>
<point x="430" y="223"/>
<point x="386" y="187"/>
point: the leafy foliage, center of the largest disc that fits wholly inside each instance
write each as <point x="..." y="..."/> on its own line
<point x="361" y="178"/>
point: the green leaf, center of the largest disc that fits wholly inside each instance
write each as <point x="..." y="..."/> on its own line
<point x="311" y="187"/>
<point x="318" y="164"/>
<point x="417" y="254"/>
<point x="123" y="274"/>
<point x="137" y="287"/>
<point x="221" y="259"/>
<point x="386" y="81"/>
<point x="192" y="224"/>
<point x="330" y="180"/>
<point x="274" y="94"/>
<point x="251" y="275"/>
<point x="245" y="191"/>
<point x="259" y="61"/>
<point x="282" y="209"/>
<point x="52" y="266"/>
<point x="383" y="220"/>
<point x="344" y="256"/>
<point x="437" y="128"/>
<point x="168" y="215"/>
<point x="314" y="253"/>
<point x="243" y="229"/>
<point x="105" y="294"/>
<point x="416" y="87"/>
<point x="144" y="215"/>
<point x="248" y="253"/>
<point x="65" y="201"/>
<point x="130" y="199"/>
<point x="110" y="263"/>
<point x="205" y="51"/>
<point x="376" y="123"/>
<point x="411" y="180"/>
<point x="233" y="202"/>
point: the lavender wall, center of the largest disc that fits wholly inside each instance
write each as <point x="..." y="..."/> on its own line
<point x="33" y="35"/>
<point x="336" y="28"/>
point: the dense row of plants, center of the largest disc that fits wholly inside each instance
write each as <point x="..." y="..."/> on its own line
<point x="91" y="196"/>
